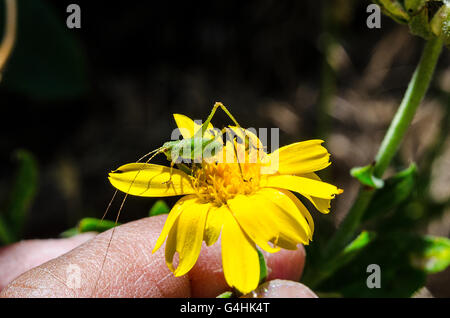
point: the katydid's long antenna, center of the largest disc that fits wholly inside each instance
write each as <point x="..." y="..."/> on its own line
<point x="109" y="244"/>
<point x="115" y="192"/>
<point x="109" y="205"/>
<point x="155" y="152"/>
<point x="151" y="152"/>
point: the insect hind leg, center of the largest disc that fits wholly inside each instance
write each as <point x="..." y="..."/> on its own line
<point x="226" y="130"/>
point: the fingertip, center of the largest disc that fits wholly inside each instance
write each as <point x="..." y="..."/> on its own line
<point x="286" y="264"/>
<point x="33" y="253"/>
<point x="208" y="280"/>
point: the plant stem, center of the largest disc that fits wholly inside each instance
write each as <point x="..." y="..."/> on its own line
<point x="414" y="94"/>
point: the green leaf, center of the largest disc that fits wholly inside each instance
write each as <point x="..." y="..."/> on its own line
<point x="6" y="237"/>
<point x="360" y="242"/>
<point x="366" y="177"/>
<point x="89" y="225"/>
<point x="70" y="232"/>
<point x="393" y="9"/>
<point x="226" y="294"/>
<point x="440" y="23"/>
<point x="23" y="191"/>
<point x="405" y="259"/>
<point x="160" y="207"/>
<point x="433" y="256"/>
<point x="414" y="6"/>
<point x="395" y="191"/>
<point x="351" y="250"/>
<point x="95" y="225"/>
<point x="328" y="295"/>
<point x="262" y="267"/>
<point x="48" y="62"/>
<point x="328" y="268"/>
<point x="419" y="24"/>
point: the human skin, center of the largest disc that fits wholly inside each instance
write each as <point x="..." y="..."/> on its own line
<point x="43" y="268"/>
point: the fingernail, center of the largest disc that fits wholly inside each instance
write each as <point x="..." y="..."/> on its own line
<point x="281" y="289"/>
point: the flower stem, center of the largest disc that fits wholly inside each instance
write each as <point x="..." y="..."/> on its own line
<point x="414" y="94"/>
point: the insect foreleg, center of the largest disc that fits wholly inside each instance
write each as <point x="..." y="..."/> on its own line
<point x="172" y="163"/>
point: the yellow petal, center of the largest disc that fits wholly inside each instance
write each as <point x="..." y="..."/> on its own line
<point x="248" y="137"/>
<point x="188" y="127"/>
<point x="186" y="237"/>
<point x="301" y="157"/>
<point x="303" y="210"/>
<point x="239" y="257"/>
<point x="256" y="219"/>
<point x="172" y="217"/>
<point x="149" y="180"/>
<point x="248" y="146"/>
<point x="291" y="222"/>
<point x="214" y="224"/>
<point x="287" y="242"/>
<point x="322" y="205"/>
<point x="302" y="185"/>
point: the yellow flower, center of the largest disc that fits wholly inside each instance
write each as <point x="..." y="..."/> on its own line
<point x="237" y="201"/>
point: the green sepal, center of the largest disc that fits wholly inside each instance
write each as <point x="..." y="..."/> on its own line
<point x="262" y="267"/>
<point x="227" y="294"/>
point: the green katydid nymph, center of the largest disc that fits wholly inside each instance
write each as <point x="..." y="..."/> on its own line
<point x="196" y="148"/>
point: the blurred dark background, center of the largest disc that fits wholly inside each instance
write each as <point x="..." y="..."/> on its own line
<point x="84" y="101"/>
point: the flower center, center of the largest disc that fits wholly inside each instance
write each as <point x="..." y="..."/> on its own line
<point x="219" y="182"/>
